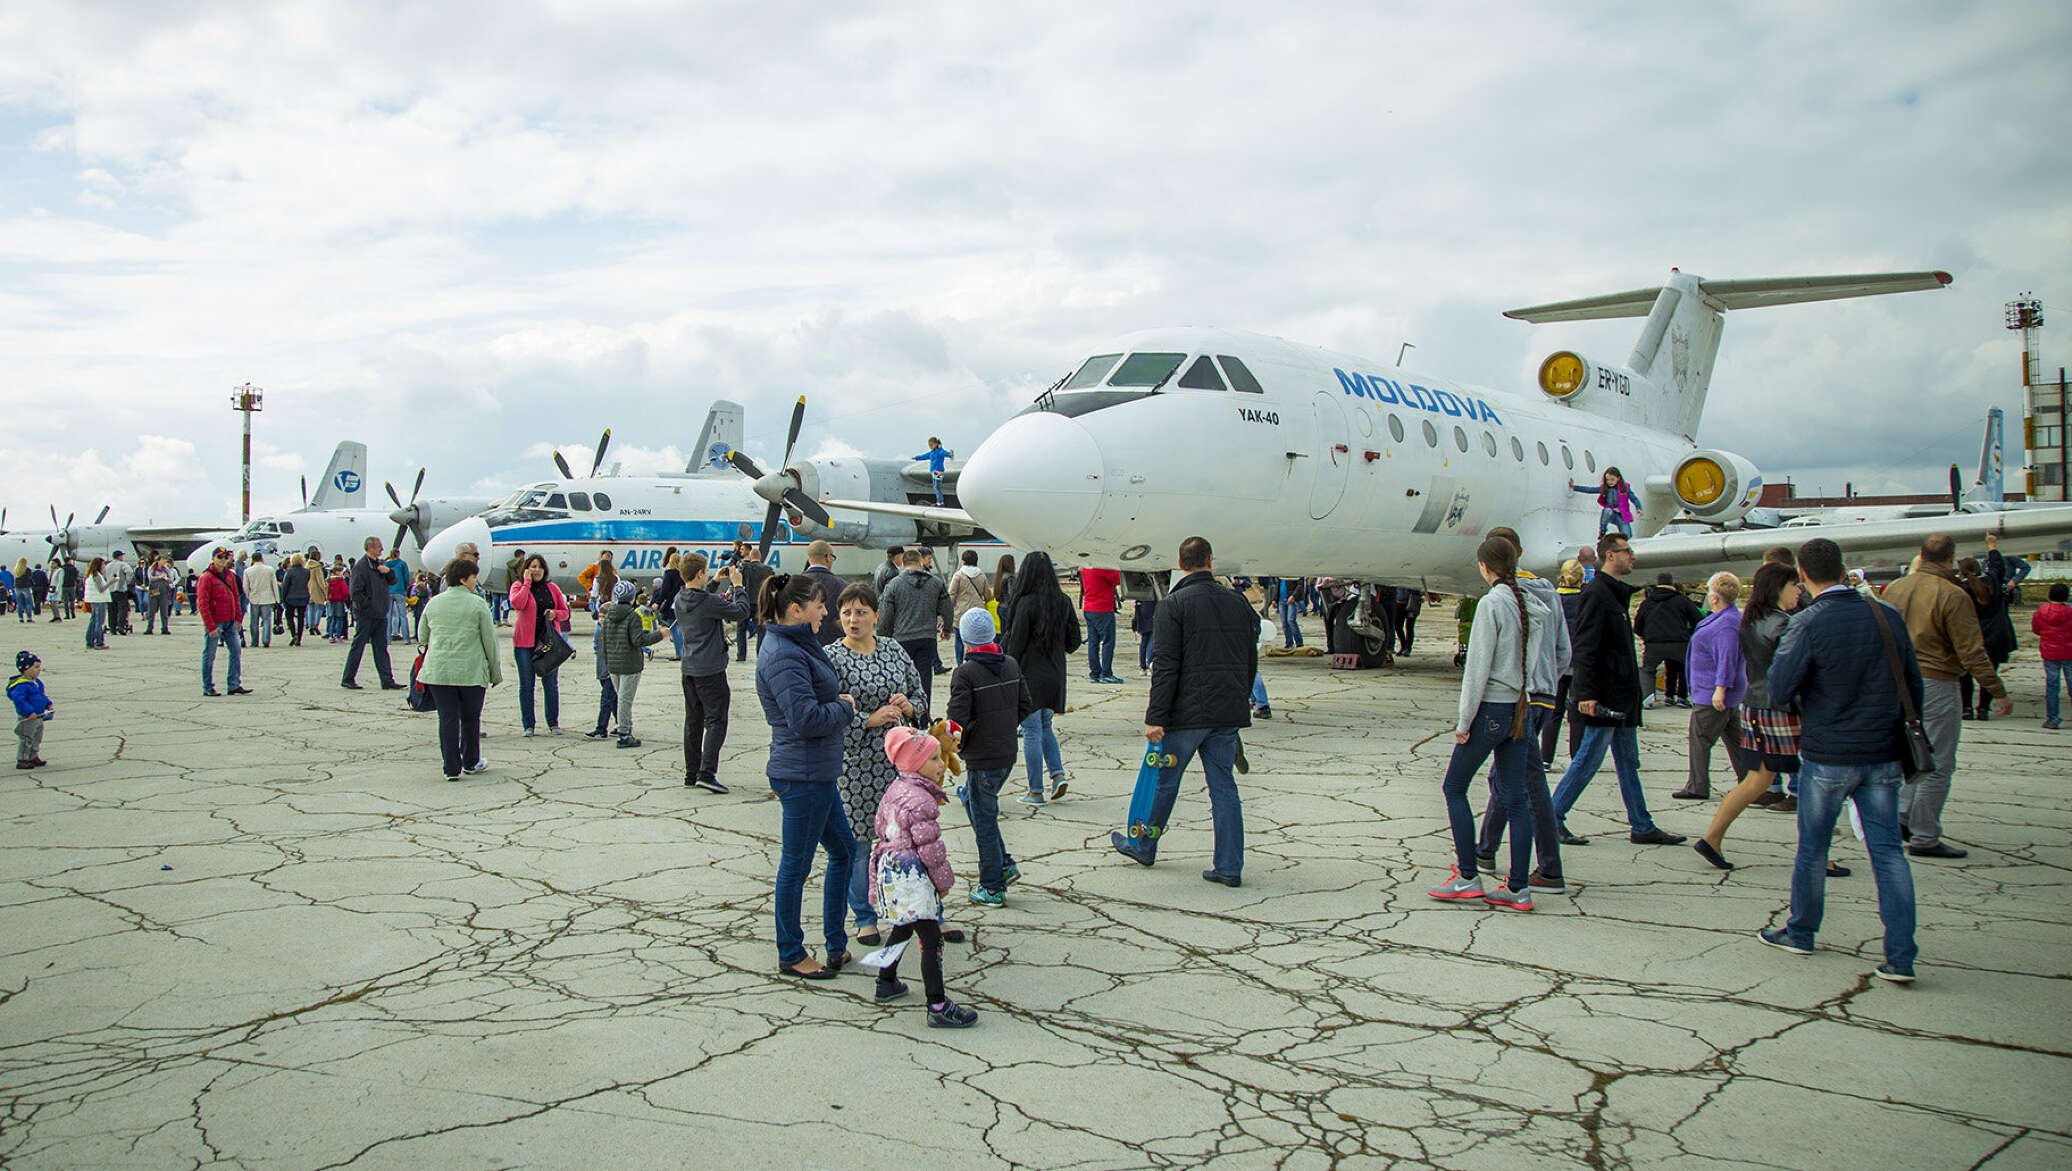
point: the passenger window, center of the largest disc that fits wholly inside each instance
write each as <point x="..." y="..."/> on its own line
<point x="1146" y="369"/>
<point x="1092" y="371"/>
<point x="287" y="526"/>
<point x="580" y="501"/>
<point x="1544" y="461"/>
<point x="1590" y="460"/>
<point x="1396" y="428"/>
<point x="1201" y="376"/>
<point x="1460" y="438"/>
<point x="1241" y="379"/>
<point x="557" y="500"/>
<point x="1488" y="444"/>
<point x="1517" y="449"/>
<point x="1431" y="434"/>
<point x="1568" y="458"/>
<point x="603" y="502"/>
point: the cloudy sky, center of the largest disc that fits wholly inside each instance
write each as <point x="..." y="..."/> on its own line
<point x="466" y="233"/>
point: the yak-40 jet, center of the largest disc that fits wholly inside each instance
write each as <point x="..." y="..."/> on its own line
<point x="1296" y="460"/>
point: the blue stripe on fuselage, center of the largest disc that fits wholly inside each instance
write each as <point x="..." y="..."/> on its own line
<point x="627" y="531"/>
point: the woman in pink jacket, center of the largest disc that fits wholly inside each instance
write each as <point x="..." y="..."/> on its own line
<point x="910" y="870"/>
<point x="540" y="610"/>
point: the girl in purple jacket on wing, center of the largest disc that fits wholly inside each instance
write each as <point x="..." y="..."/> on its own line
<point x="1616" y="503"/>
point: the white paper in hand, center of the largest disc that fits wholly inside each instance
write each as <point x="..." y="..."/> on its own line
<point x="1855" y="821"/>
<point x="885" y="957"/>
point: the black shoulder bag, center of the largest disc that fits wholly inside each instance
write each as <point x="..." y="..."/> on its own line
<point x="1916" y="754"/>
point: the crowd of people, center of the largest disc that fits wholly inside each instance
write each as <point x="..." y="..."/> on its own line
<point x="1803" y="675"/>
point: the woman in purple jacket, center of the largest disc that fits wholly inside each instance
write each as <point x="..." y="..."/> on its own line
<point x="1719" y="681"/>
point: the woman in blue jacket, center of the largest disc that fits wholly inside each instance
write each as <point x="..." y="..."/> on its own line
<point x="808" y="713"/>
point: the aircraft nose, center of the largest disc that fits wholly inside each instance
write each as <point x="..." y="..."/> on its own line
<point x="1035" y="483"/>
<point x="440" y="549"/>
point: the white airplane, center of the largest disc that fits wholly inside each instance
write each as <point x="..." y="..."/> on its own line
<point x="337" y="519"/>
<point x="720" y="497"/>
<point x="1295" y="460"/>
<point x="1987" y="493"/>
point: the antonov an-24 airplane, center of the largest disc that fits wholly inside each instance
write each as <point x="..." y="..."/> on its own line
<point x="1301" y="461"/>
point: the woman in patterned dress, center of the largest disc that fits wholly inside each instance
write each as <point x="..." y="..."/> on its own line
<point x="881" y="675"/>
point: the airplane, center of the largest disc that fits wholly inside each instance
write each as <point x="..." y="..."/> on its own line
<point x="1987" y="493"/>
<point x="337" y="520"/>
<point x="1296" y="460"/>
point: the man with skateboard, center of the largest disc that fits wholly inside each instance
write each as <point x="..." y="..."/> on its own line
<point x="1205" y="653"/>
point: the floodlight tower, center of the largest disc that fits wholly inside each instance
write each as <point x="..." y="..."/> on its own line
<point x="2044" y="450"/>
<point x="246" y="399"/>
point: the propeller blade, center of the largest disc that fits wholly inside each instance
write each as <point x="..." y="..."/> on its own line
<point x="810" y="507"/>
<point x="563" y="465"/>
<point x="415" y="488"/>
<point x="798" y="419"/>
<point x="398" y="542"/>
<point x="741" y="462"/>
<point x="603" y="441"/>
<point x="69" y="518"/>
<point x="3" y="520"/>
<point x="305" y="491"/>
<point x="392" y="493"/>
<point x="53" y="516"/>
<point x="769" y="530"/>
<point x="104" y="513"/>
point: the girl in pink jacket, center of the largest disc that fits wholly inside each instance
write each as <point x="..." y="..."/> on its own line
<point x="910" y="870"/>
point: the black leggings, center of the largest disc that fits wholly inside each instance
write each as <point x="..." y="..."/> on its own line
<point x="297" y="611"/>
<point x="931" y="957"/>
<point x="460" y="725"/>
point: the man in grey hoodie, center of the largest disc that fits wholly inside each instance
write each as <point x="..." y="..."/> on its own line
<point x="701" y="618"/>
<point x="914" y="611"/>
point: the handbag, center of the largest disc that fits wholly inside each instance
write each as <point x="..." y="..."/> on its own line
<point x="419" y="697"/>
<point x="556" y="652"/>
<point x="1916" y="754"/>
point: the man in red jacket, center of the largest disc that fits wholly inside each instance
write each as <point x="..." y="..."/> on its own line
<point x="218" y="599"/>
<point x="1097" y="589"/>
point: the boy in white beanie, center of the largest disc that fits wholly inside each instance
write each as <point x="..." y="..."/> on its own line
<point x="990" y="699"/>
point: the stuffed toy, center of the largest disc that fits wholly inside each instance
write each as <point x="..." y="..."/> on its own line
<point x="948" y="734"/>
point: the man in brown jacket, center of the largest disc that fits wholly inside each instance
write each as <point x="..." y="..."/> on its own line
<point x="1948" y="642"/>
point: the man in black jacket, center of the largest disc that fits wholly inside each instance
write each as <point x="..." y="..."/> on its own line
<point x="1665" y="620"/>
<point x="820" y="563"/>
<point x="368" y="590"/>
<point x="1607" y="692"/>
<point x="1204" y="654"/>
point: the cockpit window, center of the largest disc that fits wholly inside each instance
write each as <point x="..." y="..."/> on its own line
<point x="557" y="500"/>
<point x="288" y="527"/>
<point x="580" y="501"/>
<point x="1201" y="376"/>
<point x="1240" y="378"/>
<point x="1146" y="369"/>
<point x="1091" y="373"/>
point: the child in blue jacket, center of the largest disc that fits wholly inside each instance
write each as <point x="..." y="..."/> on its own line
<point x="32" y="707"/>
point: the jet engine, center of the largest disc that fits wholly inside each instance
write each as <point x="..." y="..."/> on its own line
<point x="1716" y="486"/>
<point x="1567" y="376"/>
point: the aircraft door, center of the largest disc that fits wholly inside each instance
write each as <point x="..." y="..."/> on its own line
<point x="1333" y="459"/>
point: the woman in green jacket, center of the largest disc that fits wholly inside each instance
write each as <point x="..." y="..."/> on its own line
<point x="460" y="666"/>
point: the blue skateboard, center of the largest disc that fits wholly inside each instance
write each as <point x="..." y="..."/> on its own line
<point x="1156" y="761"/>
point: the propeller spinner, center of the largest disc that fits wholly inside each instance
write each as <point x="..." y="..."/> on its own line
<point x="781" y="488"/>
<point x="408" y="517"/>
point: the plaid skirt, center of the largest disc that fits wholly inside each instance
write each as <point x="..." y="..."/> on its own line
<point x="1771" y="733"/>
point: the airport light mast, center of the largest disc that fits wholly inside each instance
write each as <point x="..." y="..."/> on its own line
<point x="247" y="399"/>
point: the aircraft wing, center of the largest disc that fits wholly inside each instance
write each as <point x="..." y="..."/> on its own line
<point x="2037" y="530"/>
<point x="955" y="518"/>
<point x="175" y="534"/>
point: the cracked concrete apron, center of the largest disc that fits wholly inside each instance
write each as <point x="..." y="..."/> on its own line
<point x="262" y="932"/>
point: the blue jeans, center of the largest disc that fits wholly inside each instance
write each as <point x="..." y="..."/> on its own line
<point x="1100" y="644"/>
<point x="1218" y="749"/>
<point x="551" y="685"/>
<point x="860" y="887"/>
<point x="24" y="605"/>
<point x="226" y="635"/>
<point x="1624" y="744"/>
<point x="499" y="605"/>
<point x="1875" y="789"/>
<point x="1259" y="692"/>
<point x="2055" y="671"/>
<point x="982" y="803"/>
<point x="957" y="638"/>
<point x="1291" y="631"/>
<point x="812" y="818"/>
<point x="1040" y="748"/>
<point x="1490" y="733"/>
<point x="1496" y="815"/>
<point x="607" y="703"/>
<point x="1608" y="519"/>
<point x="1144" y="649"/>
<point x="97" y="624"/>
<point x="398" y="616"/>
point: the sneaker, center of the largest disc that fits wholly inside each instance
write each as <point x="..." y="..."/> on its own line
<point x="1785" y="804"/>
<point x="529" y="732"/>
<point x="1782" y="942"/>
<point x="629" y="741"/>
<point x="1011" y="875"/>
<point x="553" y="731"/>
<point x="889" y="990"/>
<point x="1031" y="798"/>
<point x="1111" y="679"/>
<point x="480" y="766"/>
<point x="2053" y="725"/>
<point x="1545" y="883"/>
<point x="710" y="784"/>
<point x="1127" y="849"/>
<point x="1264" y="713"/>
<point x="951" y="1016"/>
<point x="28" y="764"/>
<point x="1485" y="863"/>
<point x="1648" y="704"/>
<point x="1516" y="900"/>
<point x="599" y="734"/>
<point x="1058" y="784"/>
<point x="987" y="898"/>
<point x="1457" y="887"/>
<point x="1893" y="975"/>
<point x="451" y="779"/>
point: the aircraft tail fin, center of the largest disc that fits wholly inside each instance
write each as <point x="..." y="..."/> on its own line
<point x="1991" y="485"/>
<point x="345" y="481"/>
<point x="1674" y="357"/>
<point x="724" y="432"/>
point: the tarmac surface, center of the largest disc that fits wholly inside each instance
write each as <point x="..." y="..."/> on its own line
<point x="263" y="932"/>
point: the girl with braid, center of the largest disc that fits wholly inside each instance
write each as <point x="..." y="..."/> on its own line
<point x="1493" y="720"/>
